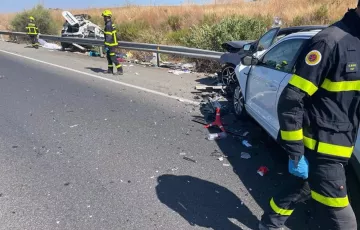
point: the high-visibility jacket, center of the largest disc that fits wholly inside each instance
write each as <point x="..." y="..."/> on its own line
<point x="32" y="29"/>
<point x="319" y="109"/>
<point x="110" y="34"/>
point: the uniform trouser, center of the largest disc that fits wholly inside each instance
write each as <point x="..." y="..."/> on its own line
<point x="326" y="187"/>
<point x="34" y="40"/>
<point x="112" y="60"/>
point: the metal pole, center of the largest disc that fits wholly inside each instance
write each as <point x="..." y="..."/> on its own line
<point x="158" y="57"/>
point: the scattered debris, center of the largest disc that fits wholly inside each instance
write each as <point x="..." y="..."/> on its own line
<point x="209" y="87"/>
<point x="246" y="143"/>
<point x="189" y="159"/>
<point x="226" y="165"/>
<point x="182" y="154"/>
<point x="250" y="189"/>
<point x="136" y="73"/>
<point x="174" y="169"/>
<point x="263" y="170"/>
<point x="179" y="72"/>
<point x="47" y="45"/>
<point x="245" y="155"/>
<point x="245" y="134"/>
<point x="73" y="126"/>
<point x="221" y="158"/>
<point x="216" y="136"/>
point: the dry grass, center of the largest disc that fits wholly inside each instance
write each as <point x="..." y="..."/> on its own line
<point x="192" y="14"/>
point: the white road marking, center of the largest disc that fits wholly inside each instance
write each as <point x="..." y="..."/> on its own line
<point x="106" y="79"/>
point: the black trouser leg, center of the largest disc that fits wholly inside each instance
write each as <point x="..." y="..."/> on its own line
<point x="330" y="205"/>
<point x="283" y="204"/>
<point x="110" y="62"/>
<point x="114" y="60"/>
<point x="331" y="208"/>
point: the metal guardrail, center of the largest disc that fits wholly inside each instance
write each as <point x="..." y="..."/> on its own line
<point x="154" y="48"/>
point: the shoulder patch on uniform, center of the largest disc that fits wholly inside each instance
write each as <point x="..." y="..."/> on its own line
<point x="313" y="57"/>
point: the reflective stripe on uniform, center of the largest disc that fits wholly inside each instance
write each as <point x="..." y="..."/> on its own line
<point x="111" y="44"/>
<point x="303" y="84"/>
<point x="112" y="54"/>
<point x="309" y="143"/>
<point x="340" y="86"/>
<point x="110" y="65"/>
<point x="118" y="66"/>
<point x="280" y="211"/>
<point x="339" y="202"/>
<point x="329" y="149"/>
<point x="296" y="135"/>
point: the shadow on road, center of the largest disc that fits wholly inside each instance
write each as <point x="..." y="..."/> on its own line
<point x="96" y="70"/>
<point x="264" y="152"/>
<point x="203" y="203"/>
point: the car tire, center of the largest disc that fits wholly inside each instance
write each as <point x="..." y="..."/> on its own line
<point x="239" y="103"/>
<point x="228" y="76"/>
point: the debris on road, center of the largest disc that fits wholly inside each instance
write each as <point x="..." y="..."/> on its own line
<point x="47" y="45"/>
<point x="209" y="87"/>
<point x="245" y="134"/>
<point x="73" y="126"/>
<point x="263" y="170"/>
<point x="182" y="154"/>
<point x="221" y="158"/>
<point x="245" y="155"/>
<point x="178" y="72"/>
<point x="246" y="143"/>
<point x="226" y="165"/>
<point x="216" y="136"/>
<point x="174" y="169"/>
<point x="189" y="159"/>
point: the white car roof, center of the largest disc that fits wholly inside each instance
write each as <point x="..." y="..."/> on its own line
<point x="308" y="34"/>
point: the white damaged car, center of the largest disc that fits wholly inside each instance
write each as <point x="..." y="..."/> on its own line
<point x="262" y="78"/>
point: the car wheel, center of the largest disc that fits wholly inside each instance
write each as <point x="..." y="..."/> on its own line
<point x="228" y="75"/>
<point x="239" y="105"/>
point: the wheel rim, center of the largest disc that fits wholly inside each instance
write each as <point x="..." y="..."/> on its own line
<point x="228" y="74"/>
<point x="238" y="101"/>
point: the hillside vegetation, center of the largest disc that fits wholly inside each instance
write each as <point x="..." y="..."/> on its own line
<point x="201" y="26"/>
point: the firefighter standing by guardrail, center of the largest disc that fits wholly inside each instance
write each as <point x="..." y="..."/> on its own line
<point x="33" y="32"/>
<point x="111" y="43"/>
<point x="319" y="115"/>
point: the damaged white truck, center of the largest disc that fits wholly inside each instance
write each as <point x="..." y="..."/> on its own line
<point x="79" y="26"/>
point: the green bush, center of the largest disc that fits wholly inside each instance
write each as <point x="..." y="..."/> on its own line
<point x="174" y="21"/>
<point x="176" y="37"/>
<point x="43" y="21"/>
<point x="230" y="28"/>
<point x="298" y="21"/>
<point x="209" y="19"/>
<point x="130" y="31"/>
<point x="321" y="15"/>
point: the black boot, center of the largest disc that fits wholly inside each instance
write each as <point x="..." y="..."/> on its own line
<point x="119" y="71"/>
<point x="110" y="70"/>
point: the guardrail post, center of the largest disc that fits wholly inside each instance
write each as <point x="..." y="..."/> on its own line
<point x="101" y="51"/>
<point x="158" y="57"/>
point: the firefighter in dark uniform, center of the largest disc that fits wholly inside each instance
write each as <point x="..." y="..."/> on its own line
<point x="111" y="43"/>
<point x="319" y="112"/>
<point x="33" y="32"/>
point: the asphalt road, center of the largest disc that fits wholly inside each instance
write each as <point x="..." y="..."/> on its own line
<point x="79" y="151"/>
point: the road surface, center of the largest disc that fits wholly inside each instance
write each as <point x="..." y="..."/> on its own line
<point x="84" y="150"/>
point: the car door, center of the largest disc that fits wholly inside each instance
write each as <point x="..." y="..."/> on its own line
<point x="264" y="80"/>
